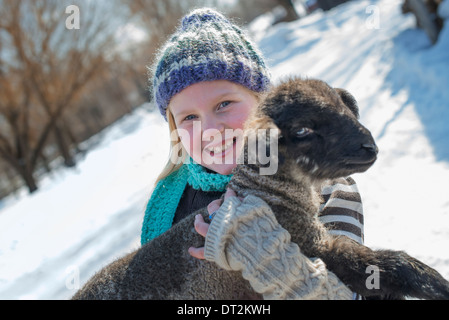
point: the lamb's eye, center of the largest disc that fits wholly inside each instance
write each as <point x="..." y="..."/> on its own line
<point x="303" y="132"/>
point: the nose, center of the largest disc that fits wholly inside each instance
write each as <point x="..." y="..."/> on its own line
<point x="211" y="127"/>
<point x="212" y="124"/>
<point x="371" y="147"/>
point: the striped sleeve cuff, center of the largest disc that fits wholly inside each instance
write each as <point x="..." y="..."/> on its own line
<point x="341" y="210"/>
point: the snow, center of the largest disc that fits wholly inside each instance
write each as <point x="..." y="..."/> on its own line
<point x="83" y="218"/>
<point x="51" y="242"/>
<point x="401" y="84"/>
<point x="443" y="9"/>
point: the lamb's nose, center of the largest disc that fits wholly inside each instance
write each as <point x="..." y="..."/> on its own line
<point x="371" y="147"/>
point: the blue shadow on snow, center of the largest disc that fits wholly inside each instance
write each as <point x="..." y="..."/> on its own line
<point x="423" y="71"/>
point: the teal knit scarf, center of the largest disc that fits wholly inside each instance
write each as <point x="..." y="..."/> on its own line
<point x="164" y="200"/>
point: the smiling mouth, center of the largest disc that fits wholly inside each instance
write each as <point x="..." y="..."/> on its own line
<point x="222" y="149"/>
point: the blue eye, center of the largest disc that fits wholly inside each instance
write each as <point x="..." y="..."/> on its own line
<point x="224" y="104"/>
<point x="190" y="117"/>
<point x="303" y="132"/>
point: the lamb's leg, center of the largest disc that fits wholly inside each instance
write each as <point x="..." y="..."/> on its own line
<point x="399" y="274"/>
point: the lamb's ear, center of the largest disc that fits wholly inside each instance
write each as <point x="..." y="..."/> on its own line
<point x="259" y="121"/>
<point x="349" y="101"/>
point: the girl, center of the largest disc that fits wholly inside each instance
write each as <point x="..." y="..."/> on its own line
<point x="206" y="80"/>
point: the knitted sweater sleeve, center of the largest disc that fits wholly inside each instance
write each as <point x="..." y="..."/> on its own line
<point x="245" y="236"/>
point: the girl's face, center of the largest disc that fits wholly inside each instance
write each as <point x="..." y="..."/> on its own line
<point x="209" y="116"/>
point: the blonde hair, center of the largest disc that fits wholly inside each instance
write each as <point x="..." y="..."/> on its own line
<point x="177" y="153"/>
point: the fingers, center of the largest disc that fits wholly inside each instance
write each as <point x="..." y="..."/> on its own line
<point x="230" y="193"/>
<point x="197" y="252"/>
<point x="213" y="206"/>
<point x="200" y="226"/>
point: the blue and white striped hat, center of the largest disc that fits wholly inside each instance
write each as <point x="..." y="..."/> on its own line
<point x="206" y="46"/>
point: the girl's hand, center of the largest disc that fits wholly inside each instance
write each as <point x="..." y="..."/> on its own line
<point x="202" y="227"/>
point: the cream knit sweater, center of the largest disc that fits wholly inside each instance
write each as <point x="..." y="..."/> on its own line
<point x="245" y="236"/>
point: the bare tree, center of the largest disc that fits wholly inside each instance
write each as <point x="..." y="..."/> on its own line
<point x="44" y="67"/>
<point x="248" y="10"/>
<point x="15" y="135"/>
<point x="427" y="19"/>
<point x="290" y="10"/>
<point x="161" y="17"/>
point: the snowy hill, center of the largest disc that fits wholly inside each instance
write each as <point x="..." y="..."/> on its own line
<point x="401" y="84"/>
<point x="82" y="219"/>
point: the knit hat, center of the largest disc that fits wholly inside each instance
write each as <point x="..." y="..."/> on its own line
<point x="206" y="46"/>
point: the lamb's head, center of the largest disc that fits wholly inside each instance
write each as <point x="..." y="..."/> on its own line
<point x="320" y="135"/>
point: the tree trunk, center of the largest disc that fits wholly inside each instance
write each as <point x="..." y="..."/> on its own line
<point x="290" y="9"/>
<point x="45" y="162"/>
<point x="329" y="4"/>
<point x="63" y="146"/>
<point x="27" y="175"/>
<point x="424" y="18"/>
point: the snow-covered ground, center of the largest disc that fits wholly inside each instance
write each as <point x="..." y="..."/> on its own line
<point x="81" y="219"/>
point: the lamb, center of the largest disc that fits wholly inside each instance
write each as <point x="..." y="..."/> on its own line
<point x="320" y="138"/>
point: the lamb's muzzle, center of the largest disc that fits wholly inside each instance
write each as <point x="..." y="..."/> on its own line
<point x="371" y="147"/>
